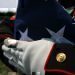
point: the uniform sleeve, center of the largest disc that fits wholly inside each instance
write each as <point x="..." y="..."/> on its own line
<point x="60" y="60"/>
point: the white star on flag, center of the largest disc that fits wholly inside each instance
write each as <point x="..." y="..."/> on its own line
<point x="58" y="37"/>
<point x="24" y="35"/>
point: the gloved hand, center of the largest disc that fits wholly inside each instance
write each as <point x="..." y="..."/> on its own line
<point x="28" y="56"/>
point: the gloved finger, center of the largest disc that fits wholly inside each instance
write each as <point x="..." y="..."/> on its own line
<point x="10" y="51"/>
<point x="10" y="42"/>
<point x="5" y="48"/>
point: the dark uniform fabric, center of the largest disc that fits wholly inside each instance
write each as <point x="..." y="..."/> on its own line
<point x="66" y="67"/>
<point x="39" y="15"/>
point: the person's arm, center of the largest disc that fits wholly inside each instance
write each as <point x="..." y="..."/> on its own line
<point x="40" y="56"/>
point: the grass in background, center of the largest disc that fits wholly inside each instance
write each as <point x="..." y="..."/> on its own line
<point x="4" y="69"/>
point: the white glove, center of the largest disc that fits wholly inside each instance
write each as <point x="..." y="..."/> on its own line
<point x="28" y="56"/>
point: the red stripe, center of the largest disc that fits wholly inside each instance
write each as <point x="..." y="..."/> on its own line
<point x="59" y="71"/>
<point x="49" y="56"/>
